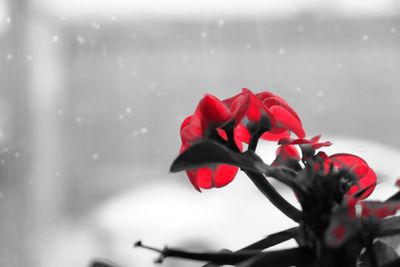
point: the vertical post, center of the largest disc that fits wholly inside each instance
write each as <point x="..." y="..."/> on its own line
<point x="31" y="183"/>
<point x="46" y="102"/>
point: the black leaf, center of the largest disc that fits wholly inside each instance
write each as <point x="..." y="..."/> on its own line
<point x="208" y="152"/>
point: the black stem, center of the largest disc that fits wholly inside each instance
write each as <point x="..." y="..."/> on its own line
<point x="254" y="141"/>
<point x="139" y="244"/>
<point x="368" y="242"/>
<point x="231" y="258"/>
<point x="267" y="242"/>
<point x="229" y="130"/>
<point x="276" y="199"/>
<point x="222" y="257"/>
<point x="371" y="255"/>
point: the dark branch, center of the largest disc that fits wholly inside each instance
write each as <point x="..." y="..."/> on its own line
<point x="270" y="192"/>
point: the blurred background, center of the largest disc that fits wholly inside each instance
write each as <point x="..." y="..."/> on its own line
<point x="92" y="94"/>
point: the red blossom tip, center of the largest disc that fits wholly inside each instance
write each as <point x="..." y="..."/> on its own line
<point x="214" y="110"/>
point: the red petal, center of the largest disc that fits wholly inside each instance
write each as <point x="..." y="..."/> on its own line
<point x="239" y="107"/>
<point x="184" y="146"/>
<point x="186" y="134"/>
<point x="292" y="141"/>
<point x="277" y="101"/>
<point x="197" y="124"/>
<point x="286" y="120"/>
<point x="254" y="111"/>
<point x="360" y="170"/>
<point x="229" y="101"/>
<point x="369" y="179"/>
<point x="275" y="134"/>
<point x="204" y="177"/>
<point x="348" y="160"/>
<point x="214" y="110"/>
<point x="301" y="141"/>
<point x="242" y="133"/>
<point x="256" y="108"/>
<point x="222" y="133"/>
<point x="185" y="122"/>
<point x="264" y="95"/>
<point x="186" y="131"/>
<point x="192" y="174"/>
<point x="224" y="174"/>
<point x="319" y="145"/>
<point x="238" y="140"/>
<point x="315" y="139"/>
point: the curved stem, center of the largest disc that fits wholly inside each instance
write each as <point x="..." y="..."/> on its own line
<point x="270" y="192"/>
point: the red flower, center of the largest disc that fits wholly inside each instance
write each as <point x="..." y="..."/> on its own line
<point x="287" y="151"/>
<point x="215" y="116"/>
<point x="212" y="113"/>
<point x="366" y="176"/>
<point x="280" y="115"/>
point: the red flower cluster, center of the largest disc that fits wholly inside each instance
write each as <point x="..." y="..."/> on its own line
<point x="337" y="226"/>
<point x="246" y="115"/>
<point x="366" y="177"/>
<point x="228" y="117"/>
